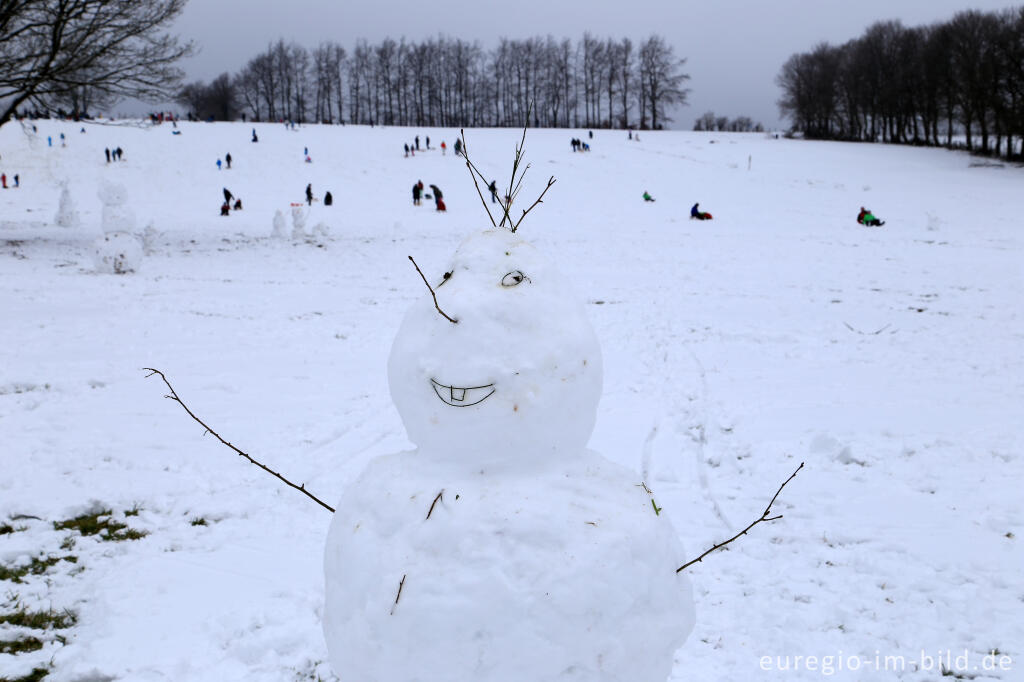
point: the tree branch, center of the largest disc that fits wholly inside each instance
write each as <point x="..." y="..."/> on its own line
<point x="453" y="321"/>
<point x="174" y="396"/>
<point x="469" y="165"/>
<point x="764" y="517"/>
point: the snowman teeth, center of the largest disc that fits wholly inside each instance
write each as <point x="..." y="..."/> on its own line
<point x="459" y="396"/>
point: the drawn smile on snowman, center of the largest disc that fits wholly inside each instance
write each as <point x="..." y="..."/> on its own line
<point x="458" y="396"/>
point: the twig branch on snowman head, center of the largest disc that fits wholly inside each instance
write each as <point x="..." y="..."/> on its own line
<point x="514" y="186"/>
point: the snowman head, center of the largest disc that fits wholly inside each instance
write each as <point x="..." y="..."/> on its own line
<point x="516" y="379"/>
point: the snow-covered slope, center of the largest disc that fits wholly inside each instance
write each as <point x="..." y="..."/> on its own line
<point x="890" y="360"/>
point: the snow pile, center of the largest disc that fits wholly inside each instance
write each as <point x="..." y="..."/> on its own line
<point x="522" y="554"/>
<point x="66" y="216"/>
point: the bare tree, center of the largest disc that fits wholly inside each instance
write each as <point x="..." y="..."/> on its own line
<point x="661" y="80"/>
<point x="49" y="50"/>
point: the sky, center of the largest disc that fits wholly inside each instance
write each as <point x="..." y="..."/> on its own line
<point x="733" y="48"/>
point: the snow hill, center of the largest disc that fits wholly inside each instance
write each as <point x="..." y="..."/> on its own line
<point x="888" y="359"/>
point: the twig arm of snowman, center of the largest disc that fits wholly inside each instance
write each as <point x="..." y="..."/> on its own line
<point x="174" y="396"/>
<point x="764" y="517"/>
<point x="453" y="321"/>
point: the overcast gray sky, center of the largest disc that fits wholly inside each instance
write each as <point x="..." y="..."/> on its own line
<point x="734" y="48"/>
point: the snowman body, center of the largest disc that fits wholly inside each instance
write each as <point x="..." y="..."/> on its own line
<point x="501" y="548"/>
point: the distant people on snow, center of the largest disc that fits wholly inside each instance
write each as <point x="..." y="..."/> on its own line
<point x="238" y="204"/>
<point x="417" y="191"/>
<point x="428" y="141"/>
<point x="225" y="208"/>
<point x="328" y="199"/>
<point x="866" y="217"/>
<point x="443" y="147"/>
<point x="218" y="164"/>
<point x="457" y="146"/>
<point x="254" y="138"/>
<point x="228" y="196"/>
<point x="3" y="180"/>
<point x="309" y="194"/>
<point x="647" y="196"/>
<point x="107" y="152"/>
<point x="494" y="191"/>
<point x="417" y="143"/>
<point x="227" y="160"/>
<point x="437" y="197"/>
<point x="695" y="212"/>
<point x="17" y="180"/>
<point x="407" y="150"/>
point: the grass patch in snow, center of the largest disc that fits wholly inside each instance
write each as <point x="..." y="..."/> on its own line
<point x="39" y="620"/>
<point x="102" y="524"/>
<point x="37" y="566"/>
<point x="199" y="521"/>
<point x="34" y="676"/>
<point x="21" y="646"/>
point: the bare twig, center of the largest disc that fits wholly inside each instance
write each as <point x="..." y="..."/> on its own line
<point x="469" y="165"/>
<point x="399" y="595"/>
<point x="174" y="396"/>
<point x="764" y="517"/>
<point x="432" y="292"/>
<point x="434" y="502"/>
<point x="551" y="181"/>
<point x="874" y="333"/>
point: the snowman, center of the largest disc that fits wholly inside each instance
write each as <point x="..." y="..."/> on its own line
<point x="501" y="548"/>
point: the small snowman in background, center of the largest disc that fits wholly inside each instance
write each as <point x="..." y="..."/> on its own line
<point x="67" y="215"/>
<point x="280" y="230"/>
<point x="118" y="251"/>
<point x="501" y="548"/>
<point x="298" y="222"/>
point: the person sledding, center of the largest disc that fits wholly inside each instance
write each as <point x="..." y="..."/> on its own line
<point x="438" y="203"/>
<point x="695" y="212"/>
<point x="647" y="196"/>
<point x="866" y="217"/>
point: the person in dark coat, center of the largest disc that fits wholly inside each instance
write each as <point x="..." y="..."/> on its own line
<point x="695" y="212"/>
<point x="107" y="151"/>
<point x="227" y="159"/>
<point x="417" y="191"/>
<point x="328" y="199"/>
<point x="228" y="196"/>
<point x="437" y="197"/>
<point x="417" y="143"/>
<point x="407" y="150"/>
<point x="225" y="208"/>
<point x="309" y="194"/>
<point x="254" y="138"/>
<point x="494" y="191"/>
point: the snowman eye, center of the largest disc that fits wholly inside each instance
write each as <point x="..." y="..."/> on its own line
<point x="513" y="278"/>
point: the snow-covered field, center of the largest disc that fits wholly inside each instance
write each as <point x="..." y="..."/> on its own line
<point x="890" y="360"/>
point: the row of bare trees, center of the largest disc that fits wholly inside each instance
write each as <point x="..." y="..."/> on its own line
<point x="935" y="85"/>
<point x="451" y="82"/>
<point x="709" y="121"/>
